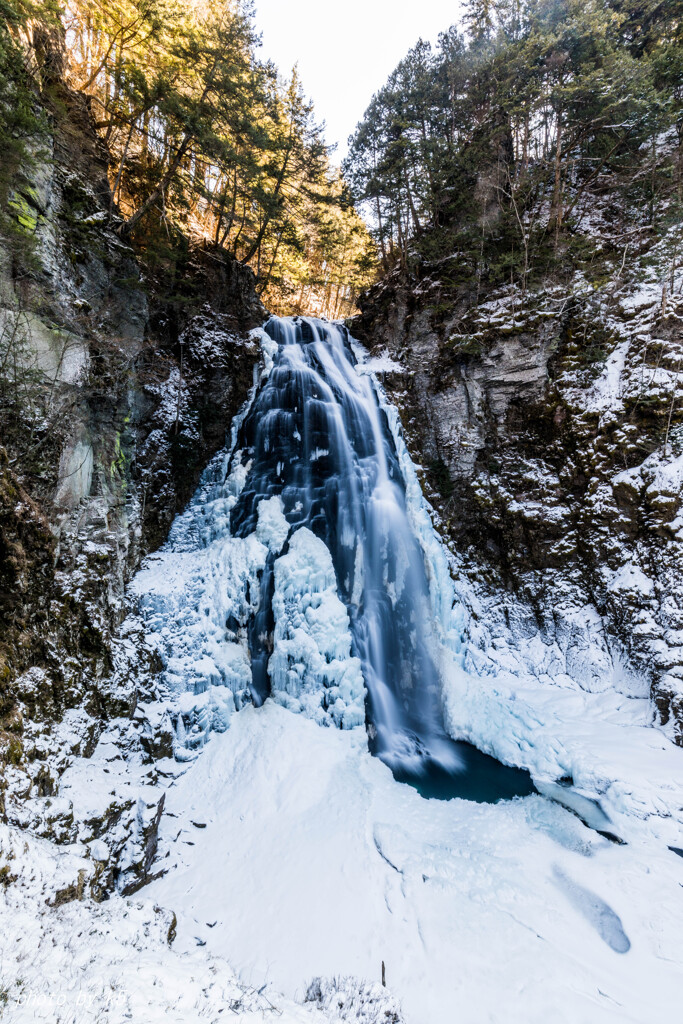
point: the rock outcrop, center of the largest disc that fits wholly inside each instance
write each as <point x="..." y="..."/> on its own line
<point x="549" y="426"/>
<point x="117" y="388"/>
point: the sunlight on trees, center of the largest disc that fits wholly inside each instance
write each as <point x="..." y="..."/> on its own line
<point x="205" y="140"/>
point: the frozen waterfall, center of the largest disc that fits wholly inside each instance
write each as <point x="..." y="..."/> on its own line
<point x="295" y="575"/>
<point x="316" y="439"/>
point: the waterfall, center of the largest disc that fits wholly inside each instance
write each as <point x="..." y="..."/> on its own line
<point x="295" y="575"/>
<point x="316" y="440"/>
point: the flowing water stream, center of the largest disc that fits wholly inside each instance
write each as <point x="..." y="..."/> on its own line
<point x="316" y="438"/>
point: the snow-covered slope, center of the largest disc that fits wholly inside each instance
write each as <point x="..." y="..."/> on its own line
<point x="290" y="853"/>
<point x="67" y="959"/>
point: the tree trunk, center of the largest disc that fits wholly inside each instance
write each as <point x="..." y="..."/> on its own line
<point x="136" y="217"/>
<point x="266" y="220"/>
<point x="556" y="207"/>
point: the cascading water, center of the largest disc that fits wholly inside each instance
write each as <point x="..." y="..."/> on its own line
<point x="316" y="439"/>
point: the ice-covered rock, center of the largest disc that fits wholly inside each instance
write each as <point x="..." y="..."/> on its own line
<point x="99" y="851"/>
<point x="312" y="668"/>
<point x="273" y="528"/>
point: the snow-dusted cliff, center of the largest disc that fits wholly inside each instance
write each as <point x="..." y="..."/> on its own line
<point x="288" y="851"/>
<point x="113" y="400"/>
<point x="547" y="426"/>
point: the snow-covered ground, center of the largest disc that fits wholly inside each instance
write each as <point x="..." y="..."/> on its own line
<point x="289" y="853"/>
<point x="64" y="958"/>
<point x="293" y="853"/>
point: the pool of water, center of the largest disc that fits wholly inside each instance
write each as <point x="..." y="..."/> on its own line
<point x="482" y="778"/>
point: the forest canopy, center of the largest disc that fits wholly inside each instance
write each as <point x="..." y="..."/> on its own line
<point x="206" y="141"/>
<point x="492" y="145"/>
<point x="495" y="144"/>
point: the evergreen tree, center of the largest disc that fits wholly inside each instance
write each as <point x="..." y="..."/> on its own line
<point x="206" y="142"/>
<point x="491" y="150"/>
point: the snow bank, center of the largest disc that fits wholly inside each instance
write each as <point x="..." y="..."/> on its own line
<point x="312" y="862"/>
<point x="66" y="958"/>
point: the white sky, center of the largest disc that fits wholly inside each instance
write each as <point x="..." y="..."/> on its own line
<point x="346" y="50"/>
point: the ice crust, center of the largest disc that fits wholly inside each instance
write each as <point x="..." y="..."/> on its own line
<point x="311" y="668"/>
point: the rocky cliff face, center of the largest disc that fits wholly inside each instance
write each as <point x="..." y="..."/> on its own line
<point x="548" y="425"/>
<point x="549" y="428"/>
<point x="115" y="395"/>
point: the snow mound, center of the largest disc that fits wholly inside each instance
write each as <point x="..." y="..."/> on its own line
<point x="349" y="999"/>
<point x="67" y="958"/>
<point x="294" y="854"/>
